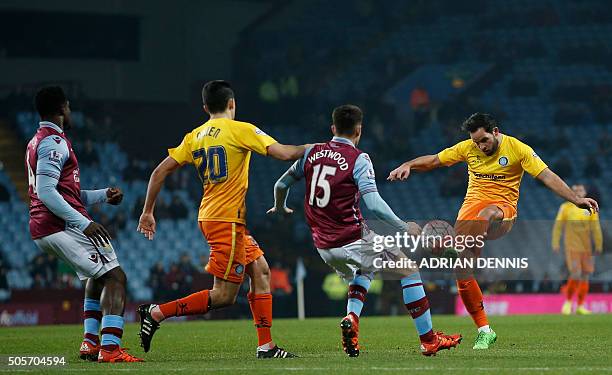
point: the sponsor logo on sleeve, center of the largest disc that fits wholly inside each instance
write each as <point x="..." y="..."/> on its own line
<point x="55" y="156"/>
<point x="371" y="174"/>
<point x="260" y="132"/>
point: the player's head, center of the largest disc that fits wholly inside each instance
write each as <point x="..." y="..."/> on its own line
<point x="52" y="105"/>
<point x="347" y="121"/>
<point x="218" y="97"/>
<point x="580" y="190"/>
<point x="483" y="129"/>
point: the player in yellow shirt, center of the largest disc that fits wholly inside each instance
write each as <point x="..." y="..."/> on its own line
<point x="580" y="229"/>
<point x="496" y="163"/>
<point x="220" y="150"/>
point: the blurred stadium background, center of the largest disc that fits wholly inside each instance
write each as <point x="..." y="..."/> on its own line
<point x="134" y="69"/>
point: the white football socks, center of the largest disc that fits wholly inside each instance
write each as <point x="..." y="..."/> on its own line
<point x="485" y="329"/>
<point x="266" y="346"/>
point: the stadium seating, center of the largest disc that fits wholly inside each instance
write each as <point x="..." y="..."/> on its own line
<point x="136" y="254"/>
<point x="464" y="37"/>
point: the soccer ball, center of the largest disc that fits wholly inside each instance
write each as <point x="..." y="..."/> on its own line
<point x="437" y="237"/>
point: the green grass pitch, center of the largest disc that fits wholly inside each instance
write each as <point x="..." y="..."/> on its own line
<point x="526" y="345"/>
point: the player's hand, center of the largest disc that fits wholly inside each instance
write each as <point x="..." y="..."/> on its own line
<point x="114" y="196"/>
<point x="588" y="204"/>
<point x="556" y="249"/>
<point x="282" y="211"/>
<point x="97" y="234"/>
<point x="400" y="173"/>
<point x="146" y="225"/>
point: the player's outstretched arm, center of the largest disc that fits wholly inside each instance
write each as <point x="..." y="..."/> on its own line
<point x="557" y="185"/>
<point x="146" y="224"/>
<point x="420" y="164"/>
<point x="365" y="178"/>
<point x="377" y="205"/>
<point x="286" y="152"/>
<point x="281" y="191"/>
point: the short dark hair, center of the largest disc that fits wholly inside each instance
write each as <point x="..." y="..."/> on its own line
<point x="479" y="120"/>
<point x="346" y="118"/>
<point x="49" y="101"/>
<point x="216" y="94"/>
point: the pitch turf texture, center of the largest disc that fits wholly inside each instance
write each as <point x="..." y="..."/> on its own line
<point x="526" y="345"/>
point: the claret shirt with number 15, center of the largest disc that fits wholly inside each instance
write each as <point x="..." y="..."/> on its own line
<point x="220" y="149"/>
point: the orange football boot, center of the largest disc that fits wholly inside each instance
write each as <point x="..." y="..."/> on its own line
<point x="440" y="342"/>
<point x="89" y="351"/>
<point x="350" y="335"/>
<point x="117" y="355"/>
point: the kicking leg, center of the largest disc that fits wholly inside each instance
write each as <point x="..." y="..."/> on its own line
<point x="467" y="286"/>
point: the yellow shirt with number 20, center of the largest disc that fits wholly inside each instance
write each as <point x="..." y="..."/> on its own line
<point x="220" y="149"/>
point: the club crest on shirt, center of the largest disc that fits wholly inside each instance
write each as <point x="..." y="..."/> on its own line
<point x="503" y="161"/>
<point x="239" y="269"/>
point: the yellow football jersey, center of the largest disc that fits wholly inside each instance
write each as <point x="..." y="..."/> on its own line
<point x="496" y="177"/>
<point x="581" y="229"/>
<point x="221" y="149"/>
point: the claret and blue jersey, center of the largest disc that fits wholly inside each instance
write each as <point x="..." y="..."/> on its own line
<point x="56" y="198"/>
<point x="337" y="175"/>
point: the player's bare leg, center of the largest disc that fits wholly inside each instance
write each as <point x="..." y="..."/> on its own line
<point x="92" y="316"/>
<point x="112" y="303"/>
<point x="260" y="301"/>
<point x="221" y="295"/>
<point x="489" y="217"/>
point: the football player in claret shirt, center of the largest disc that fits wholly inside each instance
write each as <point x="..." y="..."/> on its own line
<point x="580" y="230"/>
<point x="220" y="149"/>
<point x="496" y="163"/>
<point x="60" y="224"/>
<point x="337" y="174"/>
